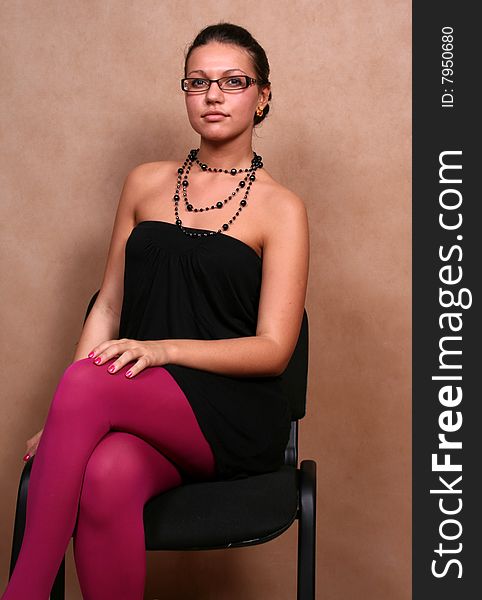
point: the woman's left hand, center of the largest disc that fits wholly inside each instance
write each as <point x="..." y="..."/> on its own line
<point x="146" y="353"/>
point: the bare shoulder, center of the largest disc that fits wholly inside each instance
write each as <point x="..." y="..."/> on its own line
<point x="146" y="182"/>
<point x="151" y="173"/>
<point x="284" y="211"/>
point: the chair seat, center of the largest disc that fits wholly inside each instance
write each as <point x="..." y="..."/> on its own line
<point x="222" y="514"/>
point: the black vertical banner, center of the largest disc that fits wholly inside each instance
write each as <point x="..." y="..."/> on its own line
<point x="447" y="268"/>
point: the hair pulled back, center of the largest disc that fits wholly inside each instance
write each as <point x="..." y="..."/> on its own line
<point x="227" y="33"/>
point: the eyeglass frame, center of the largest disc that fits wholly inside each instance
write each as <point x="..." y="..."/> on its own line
<point x="250" y="81"/>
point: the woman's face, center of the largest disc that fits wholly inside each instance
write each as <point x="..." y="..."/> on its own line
<point x="237" y="108"/>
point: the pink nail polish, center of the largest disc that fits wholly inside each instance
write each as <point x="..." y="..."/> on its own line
<point x="111" y="369"/>
<point x="129" y="374"/>
<point x="97" y="360"/>
<point x="91" y="355"/>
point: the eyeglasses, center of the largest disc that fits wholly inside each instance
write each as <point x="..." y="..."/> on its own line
<point x="226" y="84"/>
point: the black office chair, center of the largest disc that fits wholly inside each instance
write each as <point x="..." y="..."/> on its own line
<point x="230" y="513"/>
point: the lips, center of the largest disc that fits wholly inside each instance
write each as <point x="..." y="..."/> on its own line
<point x="216" y="113"/>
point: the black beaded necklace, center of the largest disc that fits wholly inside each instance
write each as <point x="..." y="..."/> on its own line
<point x="183" y="182"/>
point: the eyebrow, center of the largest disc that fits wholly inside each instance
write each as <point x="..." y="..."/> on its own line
<point x="224" y="72"/>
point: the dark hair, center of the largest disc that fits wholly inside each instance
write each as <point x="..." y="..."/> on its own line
<point x="227" y="33"/>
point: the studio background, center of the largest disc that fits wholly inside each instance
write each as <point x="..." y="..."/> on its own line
<point x="91" y="89"/>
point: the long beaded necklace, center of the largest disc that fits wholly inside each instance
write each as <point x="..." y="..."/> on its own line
<point x="183" y="182"/>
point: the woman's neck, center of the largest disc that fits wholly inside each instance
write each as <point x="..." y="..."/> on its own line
<point x="225" y="156"/>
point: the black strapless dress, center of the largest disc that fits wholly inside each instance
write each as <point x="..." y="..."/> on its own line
<point x="182" y="287"/>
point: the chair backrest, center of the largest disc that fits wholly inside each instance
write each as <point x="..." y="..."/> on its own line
<point x="295" y="380"/>
<point x="295" y="376"/>
<point x="91" y="304"/>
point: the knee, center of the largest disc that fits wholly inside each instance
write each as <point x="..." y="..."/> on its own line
<point x="78" y="384"/>
<point x="79" y="371"/>
<point x="111" y="479"/>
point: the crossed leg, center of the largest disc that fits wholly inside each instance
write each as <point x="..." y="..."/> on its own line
<point x="122" y="474"/>
<point x="89" y="411"/>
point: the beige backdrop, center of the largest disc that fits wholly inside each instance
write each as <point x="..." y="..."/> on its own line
<point x="90" y="89"/>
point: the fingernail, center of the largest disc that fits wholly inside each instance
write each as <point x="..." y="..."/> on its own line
<point x="26" y="457"/>
<point x="129" y="374"/>
<point x="97" y="360"/>
<point x="111" y="368"/>
<point x="91" y="355"/>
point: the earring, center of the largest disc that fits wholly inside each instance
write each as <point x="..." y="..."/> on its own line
<point x="259" y="111"/>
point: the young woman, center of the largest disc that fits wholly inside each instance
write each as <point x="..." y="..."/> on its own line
<point x="178" y="372"/>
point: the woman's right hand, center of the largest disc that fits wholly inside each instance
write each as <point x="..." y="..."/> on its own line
<point x="32" y="444"/>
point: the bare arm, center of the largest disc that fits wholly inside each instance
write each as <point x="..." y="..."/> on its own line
<point x="282" y="301"/>
<point x="254" y="356"/>
<point x="101" y="324"/>
<point x="103" y="320"/>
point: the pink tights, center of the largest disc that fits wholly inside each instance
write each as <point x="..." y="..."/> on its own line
<point x="109" y="444"/>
